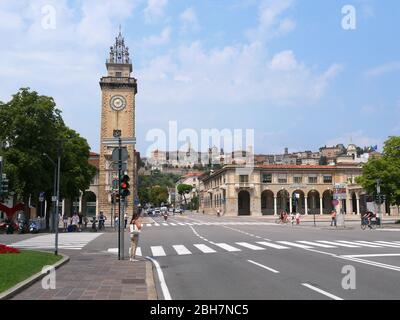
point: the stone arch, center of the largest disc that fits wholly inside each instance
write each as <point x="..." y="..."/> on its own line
<point x="282" y="201"/>
<point x="89" y="202"/>
<point x="327" y="198"/>
<point x="298" y="202"/>
<point x="267" y="202"/>
<point x="244" y="203"/>
<point x="313" y="198"/>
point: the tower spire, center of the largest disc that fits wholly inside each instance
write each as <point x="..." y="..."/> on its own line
<point x="119" y="53"/>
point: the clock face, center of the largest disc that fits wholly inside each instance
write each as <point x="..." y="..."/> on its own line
<point x="118" y="103"/>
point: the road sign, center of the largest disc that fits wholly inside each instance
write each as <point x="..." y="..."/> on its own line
<point x="54" y="198"/>
<point x="124" y="154"/>
<point x="136" y="202"/>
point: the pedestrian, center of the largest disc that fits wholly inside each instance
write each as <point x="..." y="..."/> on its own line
<point x="80" y="221"/>
<point x="126" y="220"/>
<point x="333" y="218"/>
<point x="135" y="228"/>
<point x="298" y="218"/>
<point x="75" y="221"/>
<point x="86" y="221"/>
<point x="292" y="217"/>
<point x="65" y="221"/>
<point x="116" y="222"/>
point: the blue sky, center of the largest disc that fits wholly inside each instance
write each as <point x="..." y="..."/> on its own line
<point x="286" y="68"/>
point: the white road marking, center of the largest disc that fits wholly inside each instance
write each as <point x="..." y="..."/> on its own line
<point x="227" y="247"/>
<point x="138" y="251"/>
<point x="340" y="244"/>
<point x="389" y="244"/>
<point x="262" y="266"/>
<point x="321" y="291"/>
<point x="158" y="251"/>
<point x="250" y="246"/>
<point x="148" y="225"/>
<point x="272" y="245"/>
<point x="373" y="255"/>
<point x="203" y="248"/>
<point x="69" y="241"/>
<point x="363" y="243"/>
<point x="293" y="244"/>
<point x="164" y="288"/>
<point x="189" y="224"/>
<point x="165" y="224"/>
<point x="181" y="250"/>
<point x="156" y="224"/>
<point x="181" y="224"/>
<point x="172" y="224"/>
<point x="317" y="244"/>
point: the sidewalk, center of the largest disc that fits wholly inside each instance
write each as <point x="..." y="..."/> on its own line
<point x="97" y="276"/>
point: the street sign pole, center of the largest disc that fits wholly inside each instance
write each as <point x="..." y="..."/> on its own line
<point x="120" y="252"/>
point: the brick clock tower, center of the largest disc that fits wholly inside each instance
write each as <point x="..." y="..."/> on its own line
<point x="118" y="91"/>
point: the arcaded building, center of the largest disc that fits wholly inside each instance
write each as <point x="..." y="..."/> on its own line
<point x="270" y="189"/>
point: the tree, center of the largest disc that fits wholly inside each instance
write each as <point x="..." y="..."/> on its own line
<point x="386" y="169"/>
<point x="158" y="195"/>
<point x="184" y="189"/>
<point x="32" y="126"/>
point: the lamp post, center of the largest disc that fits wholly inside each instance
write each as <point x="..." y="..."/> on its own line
<point x="56" y="195"/>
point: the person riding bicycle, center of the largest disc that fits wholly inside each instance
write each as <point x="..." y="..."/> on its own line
<point x="367" y="218"/>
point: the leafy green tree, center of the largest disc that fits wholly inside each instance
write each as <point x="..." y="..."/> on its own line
<point x="184" y="189"/>
<point x="386" y="169"/>
<point x="158" y="195"/>
<point x="32" y="126"/>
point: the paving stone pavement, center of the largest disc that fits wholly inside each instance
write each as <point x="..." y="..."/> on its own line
<point x="89" y="276"/>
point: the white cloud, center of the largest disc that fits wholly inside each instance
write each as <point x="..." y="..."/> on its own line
<point x="383" y="69"/>
<point x="158" y="40"/>
<point x="154" y="11"/>
<point x="270" y="21"/>
<point x="323" y="81"/>
<point x="284" y="61"/>
<point x="189" y="20"/>
<point x="232" y="75"/>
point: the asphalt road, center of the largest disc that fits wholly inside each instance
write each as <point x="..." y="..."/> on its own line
<point x="241" y="258"/>
<point x="271" y="273"/>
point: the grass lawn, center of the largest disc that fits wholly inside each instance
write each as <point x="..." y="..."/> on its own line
<point x="15" y="268"/>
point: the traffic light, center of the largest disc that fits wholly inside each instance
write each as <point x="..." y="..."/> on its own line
<point x="125" y="186"/>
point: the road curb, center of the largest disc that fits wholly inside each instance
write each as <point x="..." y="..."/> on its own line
<point x="31" y="280"/>
<point x="150" y="282"/>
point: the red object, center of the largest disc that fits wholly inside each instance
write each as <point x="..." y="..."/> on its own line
<point x="11" y="211"/>
<point x="5" y="249"/>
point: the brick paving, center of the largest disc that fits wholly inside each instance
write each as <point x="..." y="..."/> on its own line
<point x="97" y="276"/>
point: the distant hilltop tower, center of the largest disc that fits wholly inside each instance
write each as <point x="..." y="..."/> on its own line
<point x="118" y="91"/>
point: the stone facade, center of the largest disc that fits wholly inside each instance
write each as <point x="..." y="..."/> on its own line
<point x="269" y="189"/>
<point x="118" y="84"/>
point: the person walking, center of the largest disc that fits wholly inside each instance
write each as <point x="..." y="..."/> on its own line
<point x="292" y="218"/>
<point x="116" y="223"/>
<point x="333" y="218"/>
<point x="80" y="221"/>
<point x="65" y="221"/>
<point x="75" y="221"/>
<point x="298" y="218"/>
<point x="135" y="228"/>
<point x="126" y="219"/>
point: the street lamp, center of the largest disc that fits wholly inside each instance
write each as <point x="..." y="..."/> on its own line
<point x="56" y="198"/>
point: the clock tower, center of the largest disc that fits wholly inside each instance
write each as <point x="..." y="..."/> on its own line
<point x="118" y="90"/>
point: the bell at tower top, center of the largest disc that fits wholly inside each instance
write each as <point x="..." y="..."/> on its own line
<point x="119" y="54"/>
<point x="119" y="67"/>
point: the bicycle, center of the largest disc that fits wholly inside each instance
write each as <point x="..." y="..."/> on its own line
<point x="280" y="221"/>
<point x="372" y="223"/>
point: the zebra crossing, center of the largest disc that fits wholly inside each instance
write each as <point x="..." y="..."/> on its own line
<point x="69" y="241"/>
<point x="177" y="224"/>
<point x="202" y="248"/>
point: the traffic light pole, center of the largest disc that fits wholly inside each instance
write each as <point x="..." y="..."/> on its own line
<point x="120" y="234"/>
